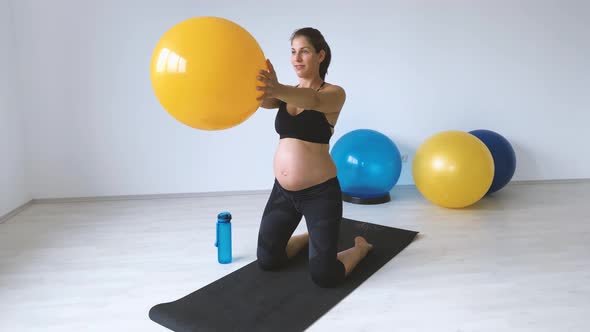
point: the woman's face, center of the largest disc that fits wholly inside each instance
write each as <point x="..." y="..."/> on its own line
<point x="304" y="59"/>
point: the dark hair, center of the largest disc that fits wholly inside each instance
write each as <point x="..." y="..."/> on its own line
<point x="316" y="38"/>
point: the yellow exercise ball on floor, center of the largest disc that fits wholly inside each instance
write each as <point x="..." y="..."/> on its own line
<point x="453" y="169"/>
<point x="203" y="71"/>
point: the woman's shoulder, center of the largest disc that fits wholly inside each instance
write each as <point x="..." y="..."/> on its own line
<point x="333" y="89"/>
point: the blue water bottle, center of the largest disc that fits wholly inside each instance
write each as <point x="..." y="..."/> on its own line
<point x="223" y="242"/>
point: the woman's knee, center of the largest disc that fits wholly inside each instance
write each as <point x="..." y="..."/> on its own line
<point x="266" y="265"/>
<point x="268" y="261"/>
<point x="327" y="274"/>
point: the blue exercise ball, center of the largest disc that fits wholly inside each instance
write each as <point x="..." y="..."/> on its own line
<point x="503" y="154"/>
<point x="369" y="165"/>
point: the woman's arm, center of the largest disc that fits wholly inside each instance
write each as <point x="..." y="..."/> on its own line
<point x="270" y="103"/>
<point x="328" y="100"/>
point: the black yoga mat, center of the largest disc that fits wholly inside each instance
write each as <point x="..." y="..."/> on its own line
<point x="250" y="299"/>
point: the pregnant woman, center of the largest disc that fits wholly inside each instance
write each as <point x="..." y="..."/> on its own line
<point x="305" y="176"/>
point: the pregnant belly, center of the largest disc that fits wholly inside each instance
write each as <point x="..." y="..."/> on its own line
<point x="298" y="164"/>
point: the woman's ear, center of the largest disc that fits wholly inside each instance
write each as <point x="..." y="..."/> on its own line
<point x="322" y="55"/>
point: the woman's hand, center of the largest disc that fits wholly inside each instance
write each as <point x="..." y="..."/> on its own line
<point x="269" y="78"/>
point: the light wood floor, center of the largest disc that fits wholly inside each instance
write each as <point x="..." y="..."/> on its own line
<point x="518" y="261"/>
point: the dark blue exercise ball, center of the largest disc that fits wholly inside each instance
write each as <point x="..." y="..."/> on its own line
<point x="369" y="165"/>
<point x="503" y="154"/>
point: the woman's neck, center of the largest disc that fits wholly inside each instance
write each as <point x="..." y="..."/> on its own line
<point x="313" y="83"/>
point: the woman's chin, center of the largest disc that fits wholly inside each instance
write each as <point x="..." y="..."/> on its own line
<point x="301" y="73"/>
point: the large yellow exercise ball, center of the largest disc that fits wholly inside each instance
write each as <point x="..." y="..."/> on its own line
<point x="453" y="169"/>
<point x="203" y="71"/>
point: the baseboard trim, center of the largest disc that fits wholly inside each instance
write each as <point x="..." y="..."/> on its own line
<point x="147" y="196"/>
<point x="555" y="181"/>
<point x="520" y="182"/>
<point x="14" y="212"/>
<point x="237" y="193"/>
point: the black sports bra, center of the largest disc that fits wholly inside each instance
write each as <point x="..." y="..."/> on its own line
<point x="309" y="125"/>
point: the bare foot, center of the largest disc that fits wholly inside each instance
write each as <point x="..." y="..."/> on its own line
<point x="352" y="256"/>
<point x="363" y="245"/>
<point x="296" y="243"/>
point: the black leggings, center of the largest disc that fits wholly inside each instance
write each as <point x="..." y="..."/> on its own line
<point x="321" y="205"/>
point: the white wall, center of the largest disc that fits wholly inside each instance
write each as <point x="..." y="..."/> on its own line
<point x="13" y="188"/>
<point x="410" y="68"/>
